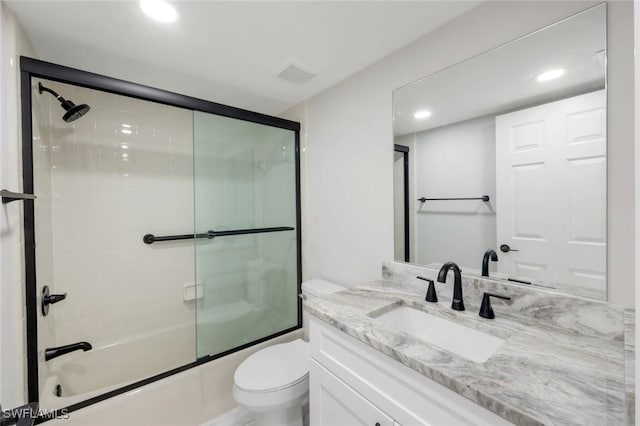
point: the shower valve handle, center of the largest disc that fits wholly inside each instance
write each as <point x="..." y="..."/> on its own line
<point x="50" y="299"/>
<point x="55" y="298"/>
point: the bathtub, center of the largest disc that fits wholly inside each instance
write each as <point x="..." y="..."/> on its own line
<point x="83" y="375"/>
<point x="189" y="398"/>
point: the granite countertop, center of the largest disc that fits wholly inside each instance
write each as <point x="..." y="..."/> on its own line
<point x="630" y="362"/>
<point x="543" y="374"/>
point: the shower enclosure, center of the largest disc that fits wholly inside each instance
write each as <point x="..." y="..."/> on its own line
<point x="165" y="227"/>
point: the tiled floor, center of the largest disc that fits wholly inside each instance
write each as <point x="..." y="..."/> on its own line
<point x="240" y="416"/>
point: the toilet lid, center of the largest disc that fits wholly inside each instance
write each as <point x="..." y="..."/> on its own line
<point x="278" y="366"/>
<point x="318" y="287"/>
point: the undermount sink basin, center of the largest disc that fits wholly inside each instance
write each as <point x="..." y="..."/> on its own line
<point x="464" y="341"/>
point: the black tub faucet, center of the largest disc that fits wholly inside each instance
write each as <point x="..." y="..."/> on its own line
<point x="51" y="353"/>
<point x="457" y="304"/>
<point x="491" y="253"/>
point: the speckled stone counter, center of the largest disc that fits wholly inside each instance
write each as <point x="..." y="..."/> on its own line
<point x="563" y="362"/>
<point x="629" y="363"/>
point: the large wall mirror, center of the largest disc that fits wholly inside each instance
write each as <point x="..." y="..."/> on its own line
<point x="507" y="151"/>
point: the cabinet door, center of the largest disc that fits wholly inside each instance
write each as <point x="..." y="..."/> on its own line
<point x="332" y="402"/>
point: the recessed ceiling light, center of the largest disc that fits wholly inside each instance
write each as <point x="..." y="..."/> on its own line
<point x="422" y="114"/>
<point x="159" y="10"/>
<point x="551" y="75"/>
<point x="126" y="131"/>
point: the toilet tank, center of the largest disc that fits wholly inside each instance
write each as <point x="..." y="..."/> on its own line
<point x="319" y="287"/>
<point x="316" y="288"/>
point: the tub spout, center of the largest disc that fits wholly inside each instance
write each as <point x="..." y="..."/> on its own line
<point x="51" y="353"/>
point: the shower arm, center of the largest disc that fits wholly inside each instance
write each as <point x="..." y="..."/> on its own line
<point x="41" y="89"/>
<point x="73" y="111"/>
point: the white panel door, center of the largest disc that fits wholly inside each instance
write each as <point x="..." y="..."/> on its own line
<point x="334" y="403"/>
<point x="551" y="193"/>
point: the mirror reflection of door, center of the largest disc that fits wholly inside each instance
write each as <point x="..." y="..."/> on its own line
<point x="524" y="125"/>
<point x="401" y="202"/>
<point x="551" y="192"/>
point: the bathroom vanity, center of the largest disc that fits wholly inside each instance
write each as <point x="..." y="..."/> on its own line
<point x="352" y="383"/>
<point x="559" y="359"/>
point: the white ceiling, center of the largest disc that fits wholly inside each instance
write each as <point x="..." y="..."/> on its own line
<point x="504" y="79"/>
<point x="229" y="52"/>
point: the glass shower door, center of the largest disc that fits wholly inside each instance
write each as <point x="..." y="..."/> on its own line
<point x="245" y="214"/>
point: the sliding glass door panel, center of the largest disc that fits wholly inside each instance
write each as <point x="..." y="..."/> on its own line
<point x="245" y="198"/>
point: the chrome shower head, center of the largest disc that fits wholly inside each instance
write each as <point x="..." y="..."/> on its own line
<point x="73" y="111"/>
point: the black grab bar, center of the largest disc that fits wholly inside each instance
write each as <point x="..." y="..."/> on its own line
<point x="484" y="198"/>
<point x="150" y="238"/>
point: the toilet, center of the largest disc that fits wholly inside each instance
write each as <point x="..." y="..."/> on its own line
<point x="273" y="383"/>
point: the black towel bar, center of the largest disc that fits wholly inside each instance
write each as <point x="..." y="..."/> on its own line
<point x="484" y="198"/>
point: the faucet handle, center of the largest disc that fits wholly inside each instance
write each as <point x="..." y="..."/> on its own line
<point x="431" y="291"/>
<point x="49" y="299"/>
<point x="486" y="311"/>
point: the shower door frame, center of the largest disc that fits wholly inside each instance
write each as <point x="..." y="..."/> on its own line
<point x="34" y="68"/>
<point x="406" y="193"/>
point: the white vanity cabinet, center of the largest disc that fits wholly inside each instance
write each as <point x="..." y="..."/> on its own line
<point x="351" y="383"/>
<point x="335" y="403"/>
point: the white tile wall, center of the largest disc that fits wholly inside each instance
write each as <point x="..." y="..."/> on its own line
<point x="44" y="213"/>
<point x="123" y="170"/>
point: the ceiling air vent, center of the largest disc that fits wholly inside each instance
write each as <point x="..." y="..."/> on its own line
<point x="294" y="74"/>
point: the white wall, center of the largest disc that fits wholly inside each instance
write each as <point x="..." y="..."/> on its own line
<point x="456" y="161"/>
<point x="13" y="43"/>
<point x="349" y="157"/>
<point x="621" y="221"/>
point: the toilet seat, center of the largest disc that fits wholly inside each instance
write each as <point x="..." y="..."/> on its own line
<point x="269" y="401"/>
<point x="274" y="368"/>
<point x="274" y="376"/>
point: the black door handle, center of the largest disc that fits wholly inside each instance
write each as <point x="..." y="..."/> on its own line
<point x="506" y="249"/>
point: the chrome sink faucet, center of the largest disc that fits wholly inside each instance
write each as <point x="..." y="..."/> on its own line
<point x="457" y="304"/>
